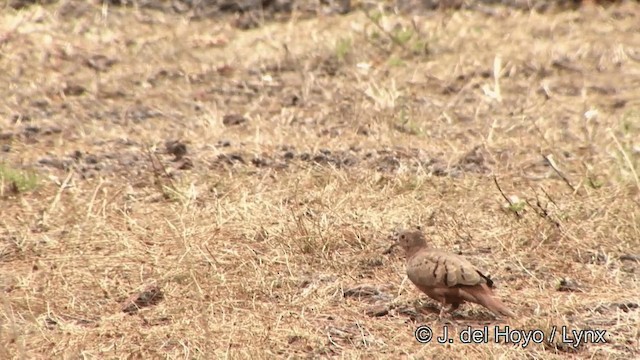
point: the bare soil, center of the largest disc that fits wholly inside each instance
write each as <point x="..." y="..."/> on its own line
<point x="207" y="189"/>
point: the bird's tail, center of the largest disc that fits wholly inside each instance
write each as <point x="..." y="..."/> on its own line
<point x="497" y="306"/>
<point x="485" y="298"/>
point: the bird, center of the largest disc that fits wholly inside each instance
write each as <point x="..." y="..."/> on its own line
<point x="447" y="278"/>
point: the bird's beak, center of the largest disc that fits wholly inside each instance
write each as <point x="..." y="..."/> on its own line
<point x="395" y="243"/>
<point x="388" y="251"/>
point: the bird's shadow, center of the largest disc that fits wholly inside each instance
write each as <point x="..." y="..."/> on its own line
<point x="472" y="317"/>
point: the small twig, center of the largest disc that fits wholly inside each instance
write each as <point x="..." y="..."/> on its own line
<point x="415" y="26"/>
<point x="458" y="233"/>
<point x="542" y="212"/>
<point x="548" y="196"/>
<point x="632" y="56"/>
<point x="630" y="257"/>
<point x="540" y="132"/>
<point x="511" y="204"/>
<point x="11" y="326"/>
<point x="212" y="258"/>
<point x="555" y="168"/>
<point x="626" y="158"/>
<point x="565" y="65"/>
<point x="156" y="163"/>
<point x="63" y="186"/>
<point x="527" y="270"/>
<point x="391" y="37"/>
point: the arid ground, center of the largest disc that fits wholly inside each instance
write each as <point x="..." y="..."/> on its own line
<point x="225" y="186"/>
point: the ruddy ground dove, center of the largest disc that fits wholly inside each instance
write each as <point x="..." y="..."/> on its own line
<point x="447" y="278"/>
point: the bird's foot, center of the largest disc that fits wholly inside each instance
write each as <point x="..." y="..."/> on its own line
<point x="446" y="318"/>
<point x="450" y="322"/>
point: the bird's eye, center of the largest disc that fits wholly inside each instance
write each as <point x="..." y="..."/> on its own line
<point x="402" y="237"/>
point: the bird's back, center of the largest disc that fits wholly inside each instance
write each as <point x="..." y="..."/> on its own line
<point x="433" y="267"/>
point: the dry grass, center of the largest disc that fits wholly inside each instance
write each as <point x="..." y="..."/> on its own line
<point x="351" y="130"/>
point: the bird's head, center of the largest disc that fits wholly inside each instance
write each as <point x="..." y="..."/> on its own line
<point x="410" y="240"/>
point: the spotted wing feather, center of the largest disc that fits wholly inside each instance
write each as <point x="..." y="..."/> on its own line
<point x="434" y="268"/>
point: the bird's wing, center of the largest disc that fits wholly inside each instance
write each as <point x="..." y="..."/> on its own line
<point x="434" y="268"/>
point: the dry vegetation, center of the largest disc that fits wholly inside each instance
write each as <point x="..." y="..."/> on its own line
<point x="186" y="189"/>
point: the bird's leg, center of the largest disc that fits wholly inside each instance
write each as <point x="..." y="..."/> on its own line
<point x="454" y="306"/>
<point x="443" y="310"/>
<point x="449" y="312"/>
<point x="442" y="307"/>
